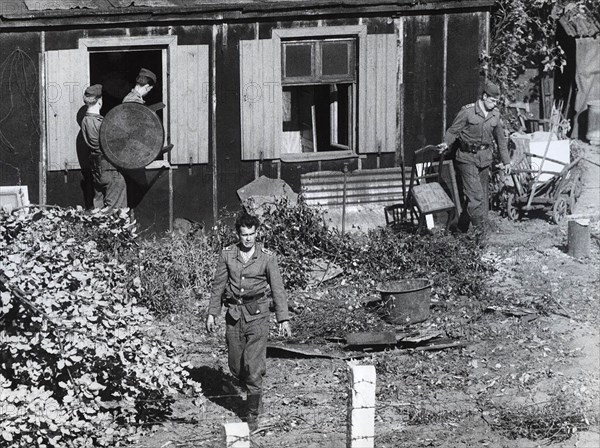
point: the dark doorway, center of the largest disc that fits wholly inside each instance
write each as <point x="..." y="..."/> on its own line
<point x="116" y="70"/>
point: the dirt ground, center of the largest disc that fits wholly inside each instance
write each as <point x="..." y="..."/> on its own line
<point x="528" y="374"/>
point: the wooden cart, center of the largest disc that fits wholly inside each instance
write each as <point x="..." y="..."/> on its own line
<point x="557" y="194"/>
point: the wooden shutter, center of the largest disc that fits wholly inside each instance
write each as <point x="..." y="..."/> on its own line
<point x="377" y="94"/>
<point x="67" y="76"/>
<point x="260" y="99"/>
<point x="190" y="98"/>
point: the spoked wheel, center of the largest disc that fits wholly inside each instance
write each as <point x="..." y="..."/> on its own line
<point x="560" y="209"/>
<point x="512" y="211"/>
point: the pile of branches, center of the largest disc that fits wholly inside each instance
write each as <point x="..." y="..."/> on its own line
<point x="78" y="366"/>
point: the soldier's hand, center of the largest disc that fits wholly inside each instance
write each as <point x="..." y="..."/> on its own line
<point x="210" y="323"/>
<point x="442" y="147"/>
<point x="285" y="329"/>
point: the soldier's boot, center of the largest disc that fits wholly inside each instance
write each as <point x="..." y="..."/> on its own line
<point x="253" y="405"/>
<point x="479" y="231"/>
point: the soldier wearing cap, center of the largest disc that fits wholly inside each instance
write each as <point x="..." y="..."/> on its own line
<point x="474" y="130"/>
<point x="143" y="85"/>
<point x="109" y="184"/>
<point x="244" y="272"/>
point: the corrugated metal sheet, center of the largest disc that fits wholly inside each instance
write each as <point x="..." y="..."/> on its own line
<point x="578" y="21"/>
<point x="373" y="186"/>
<point x="44" y="5"/>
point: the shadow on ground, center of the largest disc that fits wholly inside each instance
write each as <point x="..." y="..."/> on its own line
<point x="219" y="387"/>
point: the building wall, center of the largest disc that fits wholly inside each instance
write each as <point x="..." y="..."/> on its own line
<point x="423" y="42"/>
<point x="19" y="111"/>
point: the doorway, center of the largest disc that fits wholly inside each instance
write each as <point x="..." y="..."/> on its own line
<point x="116" y="70"/>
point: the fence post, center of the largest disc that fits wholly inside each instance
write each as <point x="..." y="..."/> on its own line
<point x="361" y="407"/>
<point x="236" y="435"/>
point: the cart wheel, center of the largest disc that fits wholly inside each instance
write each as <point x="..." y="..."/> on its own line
<point x="512" y="211"/>
<point x="559" y="209"/>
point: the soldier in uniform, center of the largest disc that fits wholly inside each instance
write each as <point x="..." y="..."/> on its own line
<point x="474" y="130"/>
<point x="109" y="184"/>
<point x="244" y="272"/>
<point x="143" y="85"/>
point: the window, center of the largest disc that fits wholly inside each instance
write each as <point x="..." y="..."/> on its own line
<point x="318" y="91"/>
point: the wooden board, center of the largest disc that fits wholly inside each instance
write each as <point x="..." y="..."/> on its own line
<point x="431" y="198"/>
<point x="376" y="338"/>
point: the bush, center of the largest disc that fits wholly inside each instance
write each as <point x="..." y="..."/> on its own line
<point x="175" y="271"/>
<point x="76" y="361"/>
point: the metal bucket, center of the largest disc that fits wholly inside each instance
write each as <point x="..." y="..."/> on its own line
<point x="406" y="301"/>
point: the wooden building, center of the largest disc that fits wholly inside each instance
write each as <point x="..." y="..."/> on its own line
<point x="251" y="87"/>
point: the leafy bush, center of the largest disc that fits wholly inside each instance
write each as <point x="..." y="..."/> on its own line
<point x="175" y="271"/>
<point x="76" y="359"/>
<point x="300" y="235"/>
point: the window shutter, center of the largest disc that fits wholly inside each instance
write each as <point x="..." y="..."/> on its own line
<point x="189" y="78"/>
<point x="67" y="76"/>
<point x="260" y="99"/>
<point x="377" y="94"/>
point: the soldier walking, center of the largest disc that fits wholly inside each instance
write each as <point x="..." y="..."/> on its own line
<point x="244" y="272"/>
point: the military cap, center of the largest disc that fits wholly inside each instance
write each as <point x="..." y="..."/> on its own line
<point x="491" y="89"/>
<point x="148" y="74"/>
<point x="94" y="91"/>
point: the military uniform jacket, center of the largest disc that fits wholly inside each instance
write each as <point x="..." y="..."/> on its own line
<point x="90" y="130"/>
<point x="236" y="278"/>
<point x="473" y="127"/>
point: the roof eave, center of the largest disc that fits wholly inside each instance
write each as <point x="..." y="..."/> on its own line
<point x="228" y="11"/>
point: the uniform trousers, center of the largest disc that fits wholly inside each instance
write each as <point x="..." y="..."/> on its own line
<point x="475" y="184"/>
<point x="110" y="188"/>
<point x="247" y="351"/>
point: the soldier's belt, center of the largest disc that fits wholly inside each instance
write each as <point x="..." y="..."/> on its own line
<point x="243" y="299"/>
<point x="474" y="147"/>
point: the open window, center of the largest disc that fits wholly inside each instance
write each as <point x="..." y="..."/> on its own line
<point x="318" y="94"/>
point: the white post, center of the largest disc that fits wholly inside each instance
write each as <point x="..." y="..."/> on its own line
<point x="236" y="435"/>
<point x="361" y="407"/>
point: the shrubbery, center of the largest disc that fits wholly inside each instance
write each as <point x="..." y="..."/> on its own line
<point x="76" y="363"/>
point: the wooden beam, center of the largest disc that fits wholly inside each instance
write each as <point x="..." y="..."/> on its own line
<point x="213" y="123"/>
<point x="234" y="12"/>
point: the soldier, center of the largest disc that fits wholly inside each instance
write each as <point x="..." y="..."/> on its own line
<point x="143" y="85"/>
<point x="475" y="128"/>
<point x="243" y="273"/>
<point x="110" y="189"/>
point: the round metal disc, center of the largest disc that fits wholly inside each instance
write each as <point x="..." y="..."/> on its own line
<point x="131" y="135"/>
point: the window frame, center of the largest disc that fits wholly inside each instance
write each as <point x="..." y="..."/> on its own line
<point x="317" y="76"/>
<point x="358" y="32"/>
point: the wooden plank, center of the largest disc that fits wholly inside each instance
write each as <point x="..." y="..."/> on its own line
<point x="67" y="76"/>
<point x="377" y="112"/>
<point x="189" y="84"/>
<point x="260" y="97"/>
<point x="377" y="338"/>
